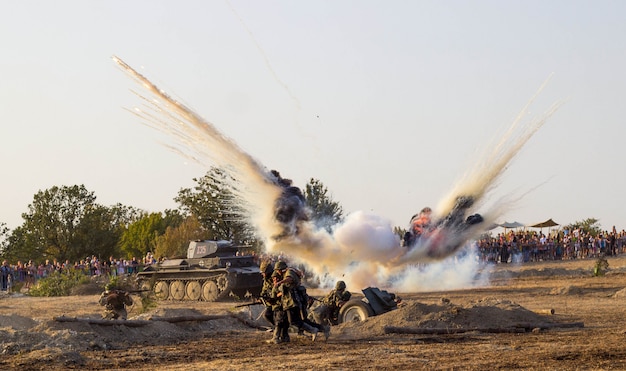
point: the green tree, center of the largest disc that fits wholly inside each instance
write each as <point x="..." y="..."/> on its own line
<point x="141" y="236"/>
<point x="589" y="225"/>
<point x="325" y="212"/>
<point x="63" y="223"/>
<point x="175" y="240"/>
<point x="4" y="237"/>
<point x="212" y="202"/>
<point x="124" y="215"/>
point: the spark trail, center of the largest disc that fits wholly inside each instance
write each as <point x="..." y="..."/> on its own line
<point x="363" y="251"/>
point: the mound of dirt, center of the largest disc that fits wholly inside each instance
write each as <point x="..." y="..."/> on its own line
<point x="620" y="294"/>
<point x="566" y="290"/>
<point x="488" y="312"/>
<point x="17" y="322"/>
<point x="21" y="334"/>
<point x="92" y="288"/>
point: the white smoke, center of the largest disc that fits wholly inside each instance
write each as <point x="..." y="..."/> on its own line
<point x="363" y="251"/>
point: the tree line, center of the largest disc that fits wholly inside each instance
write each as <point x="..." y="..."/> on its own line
<point x="67" y="223"/>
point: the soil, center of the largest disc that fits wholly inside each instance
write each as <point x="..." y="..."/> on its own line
<point x="507" y="325"/>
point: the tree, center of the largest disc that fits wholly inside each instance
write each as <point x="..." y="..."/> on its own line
<point x="63" y="223"/>
<point x="212" y="202"/>
<point x="141" y="236"/>
<point x="589" y="225"/>
<point x="4" y="236"/>
<point x="325" y="212"/>
<point x="124" y="215"/>
<point x="175" y="240"/>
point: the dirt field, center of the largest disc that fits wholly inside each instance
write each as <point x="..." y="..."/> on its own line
<point x="503" y="326"/>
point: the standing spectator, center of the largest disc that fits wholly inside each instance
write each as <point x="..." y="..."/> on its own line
<point x="31" y="271"/>
<point x="121" y="267"/>
<point x="134" y="266"/>
<point x="5" y="275"/>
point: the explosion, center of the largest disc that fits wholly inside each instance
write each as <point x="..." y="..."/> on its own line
<point x="363" y="250"/>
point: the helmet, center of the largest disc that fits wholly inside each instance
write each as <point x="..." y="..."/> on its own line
<point x="340" y="285"/>
<point x="280" y="265"/>
<point x="266" y="267"/>
<point x="109" y="287"/>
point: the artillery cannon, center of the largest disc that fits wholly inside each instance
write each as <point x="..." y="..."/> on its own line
<point x="375" y="302"/>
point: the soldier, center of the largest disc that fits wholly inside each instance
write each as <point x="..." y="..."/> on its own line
<point x="115" y="302"/>
<point x="286" y="286"/>
<point x="327" y="312"/>
<point x="273" y="312"/>
<point x="281" y="322"/>
<point x="267" y="269"/>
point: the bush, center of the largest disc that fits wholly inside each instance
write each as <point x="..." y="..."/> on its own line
<point x="58" y="284"/>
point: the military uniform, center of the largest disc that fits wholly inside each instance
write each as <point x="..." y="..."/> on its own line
<point x="294" y="300"/>
<point x="328" y="311"/>
<point x="281" y="322"/>
<point x="115" y="302"/>
<point x="266" y="292"/>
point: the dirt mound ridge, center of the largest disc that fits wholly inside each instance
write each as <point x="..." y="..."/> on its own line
<point x="488" y="312"/>
<point x="566" y="290"/>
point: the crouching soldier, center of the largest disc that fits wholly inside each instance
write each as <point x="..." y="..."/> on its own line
<point x="327" y="313"/>
<point x="115" y="302"/>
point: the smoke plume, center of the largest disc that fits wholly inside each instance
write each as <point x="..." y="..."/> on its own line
<point x="363" y="251"/>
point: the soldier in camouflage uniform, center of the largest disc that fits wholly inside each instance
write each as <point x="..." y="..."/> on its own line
<point x="281" y="329"/>
<point x="328" y="311"/>
<point x="294" y="299"/>
<point x="115" y="302"/>
<point x="267" y="269"/>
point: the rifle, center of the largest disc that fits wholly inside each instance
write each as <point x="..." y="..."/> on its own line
<point x="248" y="304"/>
<point x="258" y="300"/>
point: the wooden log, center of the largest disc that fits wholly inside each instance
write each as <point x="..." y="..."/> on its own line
<point x="449" y="331"/>
<point x="138" y="322"/>
<point x="104" y="322"/>
<point x="208" y="317"/>
<point x="545" y="311"/>
<point x="518" y="328"/>
<point x="547" y="326"/>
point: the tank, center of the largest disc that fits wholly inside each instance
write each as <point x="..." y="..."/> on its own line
<point x="212" y="271"/>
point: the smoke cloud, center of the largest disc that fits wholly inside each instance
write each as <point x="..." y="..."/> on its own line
<point x="363" y="251"/>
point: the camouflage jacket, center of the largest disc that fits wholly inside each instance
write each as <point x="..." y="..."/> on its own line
<point x="268" y="295"/>
<point x="335" y="298"/>
<point x="115" y="300"/>
<point x="289" y="293"/>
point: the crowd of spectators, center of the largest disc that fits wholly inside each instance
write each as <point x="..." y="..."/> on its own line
<point x="27" y="274"/>
<point x="531" y="246"/>
<point x="509" y="247"/>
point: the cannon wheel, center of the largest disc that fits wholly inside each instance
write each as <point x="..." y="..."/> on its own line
<point x="355" y="310"/>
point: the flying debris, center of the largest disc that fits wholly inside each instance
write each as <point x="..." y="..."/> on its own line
<point x="440" y="236"/>
<point x="290" y="208"/>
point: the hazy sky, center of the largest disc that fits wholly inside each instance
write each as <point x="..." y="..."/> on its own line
<point x="386" y="102"/>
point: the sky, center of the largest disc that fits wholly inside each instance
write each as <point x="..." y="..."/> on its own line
<point x="387" y="103"/>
